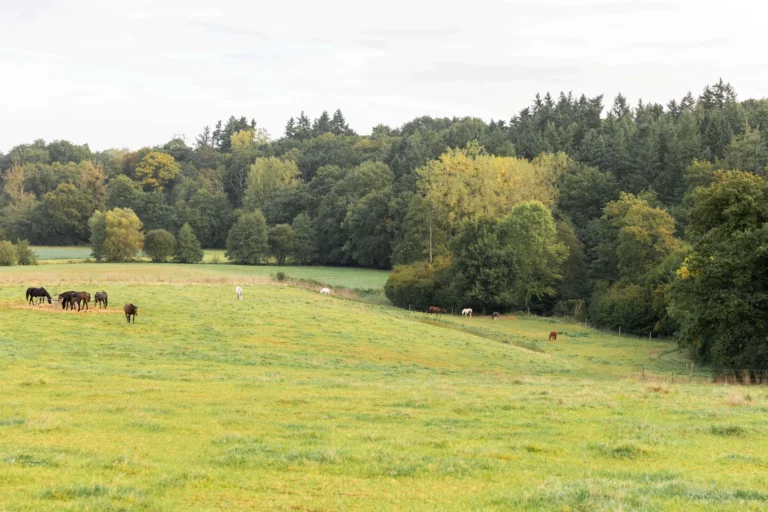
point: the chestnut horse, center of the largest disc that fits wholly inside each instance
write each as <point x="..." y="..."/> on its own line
<point x="552" y="336"/>
<point x="435" y="310"/>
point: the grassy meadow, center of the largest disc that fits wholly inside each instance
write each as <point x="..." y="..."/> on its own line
<point x="290" y="400"/>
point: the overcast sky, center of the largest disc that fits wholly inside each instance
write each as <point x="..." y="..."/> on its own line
<point x="127" y="73"/>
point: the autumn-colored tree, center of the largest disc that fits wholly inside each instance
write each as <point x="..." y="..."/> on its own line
<point x="156" y="170"/>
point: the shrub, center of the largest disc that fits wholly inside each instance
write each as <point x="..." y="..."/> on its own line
<point x="280" y="276"/>
<point x="188" y="247"/>
<point x="8" y="256"/>
<point x="25" y="255"/>
<point x="159" y="245"/>
<point x="420" y="285"/>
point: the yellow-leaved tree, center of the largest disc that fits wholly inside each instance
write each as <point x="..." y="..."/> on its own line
<point x="268" y="177"/>
<point x="116" y="235"/>
<point x="156" y="170"/>
<point x="469" y="184"/>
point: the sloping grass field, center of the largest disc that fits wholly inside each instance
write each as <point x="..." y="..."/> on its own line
<point x="290" y="400"/>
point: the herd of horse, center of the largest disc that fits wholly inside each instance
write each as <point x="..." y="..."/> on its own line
<point x="71" y="299"/>
<point x="467" y="313"/>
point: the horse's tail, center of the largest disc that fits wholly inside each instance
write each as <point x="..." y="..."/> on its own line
<point x="29" y="294"/>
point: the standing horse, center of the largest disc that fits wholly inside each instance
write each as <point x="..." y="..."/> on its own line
<point x="100" y="299"/>
<point x="130" y="311"/>
<point x="85" y="298"/>
<point x="466" y="312"/>
<point x="239" y="292"/>
<point x="552" y="336"/>
<point x="435" y="310"/>
<point x="72" y="299"/>
<point x="37" y="293"/>
<point x="495" y="315"/>
<point x="65" y="299"/>
<point x="325" y="291"/>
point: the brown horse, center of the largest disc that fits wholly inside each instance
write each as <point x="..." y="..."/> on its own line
<point x="130" y="311"/>
<point x="85" y="298"/>
<point x="435" y="310"/>
<point x="552" y="336"/>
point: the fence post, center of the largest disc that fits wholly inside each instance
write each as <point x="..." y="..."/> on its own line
<point x="643" y="372"/>
<point x="649" y="335"/>
<point x="691" y="372"/>
<point x="619" y="331"/>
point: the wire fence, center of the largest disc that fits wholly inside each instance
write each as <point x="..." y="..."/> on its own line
<point x="739" y="377"/>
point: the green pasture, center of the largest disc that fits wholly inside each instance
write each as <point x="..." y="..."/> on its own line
<point x="290" y="400"/>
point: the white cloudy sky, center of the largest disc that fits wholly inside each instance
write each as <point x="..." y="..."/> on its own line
<point x="128" y="73"/>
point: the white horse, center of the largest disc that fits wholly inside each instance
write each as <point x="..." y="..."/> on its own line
<point x="325" y="291"/>
<point x="466" y="312"/>
<point x="239" y="292"/>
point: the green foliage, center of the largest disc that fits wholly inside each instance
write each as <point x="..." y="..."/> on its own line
<point x="25" y="255"/>
<point x="510" y="261"/>
<point x="304" y="244"/>
<point x="420" y="285"/>
<point x="159" y="245"/>
<point x="248" y="240"/>
<point x="281" y="242"/>
<point x="280" y="276"/>
<point x="8" y="254"/>
<point x="187" y="246"/>
<point x="267" y="178"/>
<point x="720" y="299"/>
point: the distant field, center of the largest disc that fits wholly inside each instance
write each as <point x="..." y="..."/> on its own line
<point x="155" y="273"/>
<point x="62" y="253"/>
<point x="51" y="253"/>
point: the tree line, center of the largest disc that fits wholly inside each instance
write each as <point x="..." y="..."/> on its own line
<point x="568" y="207"/>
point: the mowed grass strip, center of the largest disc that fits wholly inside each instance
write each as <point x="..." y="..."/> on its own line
<point x="292" y="400"/>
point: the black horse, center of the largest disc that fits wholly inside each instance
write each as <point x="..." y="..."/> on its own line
<point x="101" y="299"/>
<point x="37" y="293"/>
<point x="66" y="299"/>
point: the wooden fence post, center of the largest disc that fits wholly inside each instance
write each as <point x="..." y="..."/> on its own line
<point x="643" y="372"/>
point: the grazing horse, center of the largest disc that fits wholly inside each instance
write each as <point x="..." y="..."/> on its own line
<point x="130" y="311"/>
<point x="239" y="292"/>
<point x="85" y="298"/>
<point x="73" y="298"/>
<point x="435" y="310"/>
<point x="37" y="293"/>
<point x="552" y="336"/>
<point x="325" y="291"/>
<point x="65" y="299"/>
<point x="495" y="315"/>
<point x="466" y="312"/>
<point x="100" y="299"/>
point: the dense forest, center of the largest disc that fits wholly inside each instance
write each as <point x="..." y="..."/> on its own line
<point x="649" y="218"/>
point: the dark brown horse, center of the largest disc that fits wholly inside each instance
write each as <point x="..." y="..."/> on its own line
<point x="552" y="336"/>
<point x="100" y="299"/>
<point x="130" y="311"/>
<point x="85" y="298"/>
<point x="435" y="310"/>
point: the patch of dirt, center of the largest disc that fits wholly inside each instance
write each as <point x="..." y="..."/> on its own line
<point x="56" y="308"/>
